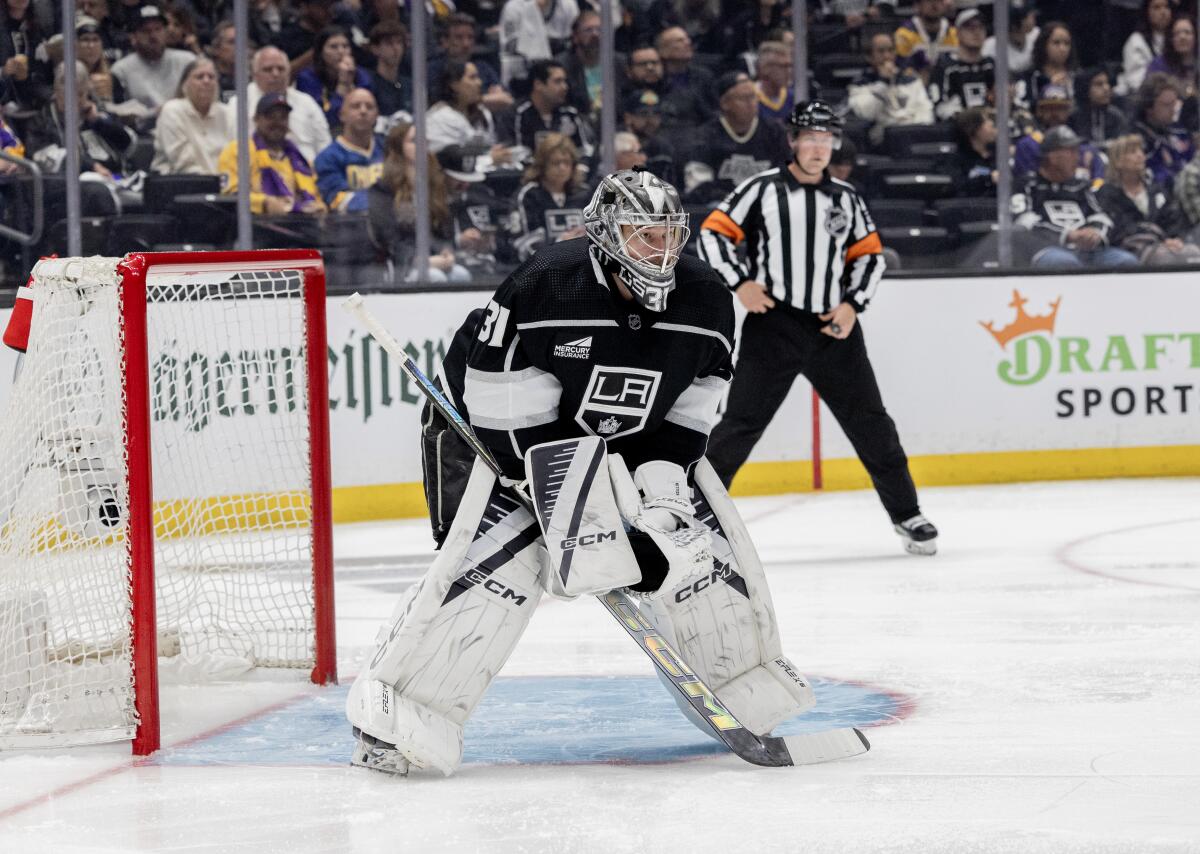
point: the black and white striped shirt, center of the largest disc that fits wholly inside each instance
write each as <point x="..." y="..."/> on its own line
<point x="812" y="245"/>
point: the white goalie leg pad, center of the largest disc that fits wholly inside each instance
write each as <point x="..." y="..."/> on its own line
<point x="453" y="632"/>
<point x="587" y="550"/>
<point x="723" y="624"/>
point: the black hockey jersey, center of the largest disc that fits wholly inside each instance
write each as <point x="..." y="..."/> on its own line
<point x="719" y="161"/>
<point x="530" y="128"/>
<point x="561" y="354"/>
<point x="956" y="84"/>
<point x="1054" y="210"/>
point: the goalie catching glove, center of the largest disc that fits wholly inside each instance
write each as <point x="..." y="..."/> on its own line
<point x="657" y="501"/>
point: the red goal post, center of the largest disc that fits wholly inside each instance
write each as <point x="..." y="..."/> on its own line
<point x="164" y="487"/>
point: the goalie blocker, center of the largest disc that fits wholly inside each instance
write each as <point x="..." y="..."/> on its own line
<point x="453" y="631"/>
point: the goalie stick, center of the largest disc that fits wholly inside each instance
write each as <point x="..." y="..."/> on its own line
<point x="806" y="749"/>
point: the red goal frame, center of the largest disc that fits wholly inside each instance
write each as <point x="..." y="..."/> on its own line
<point x="134" y="270"/>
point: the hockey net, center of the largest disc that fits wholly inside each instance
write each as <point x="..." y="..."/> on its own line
<point x="164" y="487"/>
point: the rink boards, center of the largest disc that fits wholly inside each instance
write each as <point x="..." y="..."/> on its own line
<point x="988" y="379"/>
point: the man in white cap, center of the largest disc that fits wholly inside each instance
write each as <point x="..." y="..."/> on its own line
<point x="152" y="72"/>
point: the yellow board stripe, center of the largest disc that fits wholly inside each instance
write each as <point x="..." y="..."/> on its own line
<point x="407" y="500"/>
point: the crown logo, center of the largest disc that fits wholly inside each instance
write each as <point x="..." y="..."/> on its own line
<point x="608" y="426"/>
<point x="1024" y="323"/>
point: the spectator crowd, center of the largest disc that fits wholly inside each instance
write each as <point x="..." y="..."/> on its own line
<point x="1102" y="131"/>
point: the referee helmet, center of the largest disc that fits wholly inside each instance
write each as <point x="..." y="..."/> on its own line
<point x="637" y="223"/>
<point x="816" y="115"/>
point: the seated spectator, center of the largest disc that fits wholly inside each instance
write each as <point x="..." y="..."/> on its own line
<point x="297" y="36"/>
<point x="761" y="22"/>
<point x="1178" y="57"/>
<point x="582" y="64"/>
<point x="333" y="73"/>
<point x="1053" y="110"/>
<point x="546" y="111"/>
<point x="24" y="80"/>
<point x="194" y="127"/>
<point x="922" y="39"/>
<point x="391" y="82"/>
<point x="151" y="74"/>
<point x="112" y="34"/>
<point x="1053" y="63"/>
<point x="105" y="142"/>
<point x="1178" y="60"/>
<point x="90" y="50"/>
<point x="392" y="213"/>
<point x="456" y="37"/>
<point x="281" y="179"/>
<point x="527" y="34"/>
<point x="1065" y="225"/>
<point x="484" y="225"/>
<point x="774" y="85"/>
<point x="734" y="146"/>
<point x="223" y="51"/>
<point x="628" y="149"/>
<point x="965" y="77"/>
<point x="307" y="127"/>
<point x="700" y="19"/>
<point x="842" y="164"/>
<point x="642" y="116"/>
<point x="681" y="76"/>
<point x="1144" y="44"/>
<point x="459" y="117"/>
<point x="1144" y="220"/>
<point x="551" y="201"/>
<point x="887" y="95"/>
<point x="267" y="21"/>
<point x="354" y="161"/>
<point x="1023" y="33"/>
<point x="975" y="160"/>
<point x="1095" y="118"/>
<point x="1168" y="145"/>
<point x="683" y="109"/>
<point x="181" y="28"/>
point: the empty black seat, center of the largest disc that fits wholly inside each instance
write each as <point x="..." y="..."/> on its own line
<point x="838" y="69"/>
<point x="159" y="190"/>
<point x="916" y="242"/>
<point x="916" y="185"/>
<point x="142" y="155"/>
<point x="898" y="140"/>
<point x="206" y="218"/>
<point x="139" y="233"/>
<point x="953" y="213"/>
<point x="897" y="212"/>
<point x="93" y="231"/>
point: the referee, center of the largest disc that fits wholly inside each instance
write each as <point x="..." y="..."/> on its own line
<point x="813" y="261"/>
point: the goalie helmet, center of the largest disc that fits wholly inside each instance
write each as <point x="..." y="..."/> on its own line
<point x="637" y="223"/>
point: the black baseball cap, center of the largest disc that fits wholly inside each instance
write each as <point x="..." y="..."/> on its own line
<point x="270" y="101"/>
<point x="642" y="101"/>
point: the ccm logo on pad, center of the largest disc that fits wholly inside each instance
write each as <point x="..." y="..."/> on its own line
<point x="588" y="540"/>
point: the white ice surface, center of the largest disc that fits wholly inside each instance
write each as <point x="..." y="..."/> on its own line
<point x="1052" y="648"/>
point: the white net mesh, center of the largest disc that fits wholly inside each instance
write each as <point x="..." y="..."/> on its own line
<point x="231" y="482"/>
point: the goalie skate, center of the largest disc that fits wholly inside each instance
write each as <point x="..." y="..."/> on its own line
<point x="370" y="752"/>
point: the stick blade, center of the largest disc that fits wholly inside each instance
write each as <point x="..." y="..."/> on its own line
<point x="814" y="748"/>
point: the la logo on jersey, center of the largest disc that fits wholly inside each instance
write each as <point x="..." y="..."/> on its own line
<point x="617" y="401"/>
<point x="580" y="349"/>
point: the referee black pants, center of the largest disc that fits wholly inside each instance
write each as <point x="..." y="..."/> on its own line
<point x="784" y="342"/>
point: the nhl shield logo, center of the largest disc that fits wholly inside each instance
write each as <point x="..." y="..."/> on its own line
<point x="635" y="322"/>
<point x="837" y="222"/>
<point x="617" y="401"/>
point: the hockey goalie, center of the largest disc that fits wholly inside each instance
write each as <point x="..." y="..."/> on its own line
<point x="593" y="376"/>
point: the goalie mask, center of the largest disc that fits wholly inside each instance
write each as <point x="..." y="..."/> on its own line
<point x="637" y="223"/>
